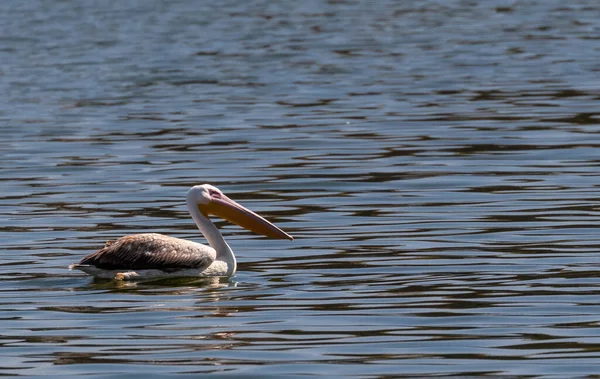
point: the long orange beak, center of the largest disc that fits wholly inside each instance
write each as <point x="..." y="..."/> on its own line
<point x="228" y="209"/>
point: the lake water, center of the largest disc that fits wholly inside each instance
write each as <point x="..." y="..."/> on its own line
<point x="437" y="163"/>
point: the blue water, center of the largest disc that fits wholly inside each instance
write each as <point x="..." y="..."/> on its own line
<point x="437" y="163"/>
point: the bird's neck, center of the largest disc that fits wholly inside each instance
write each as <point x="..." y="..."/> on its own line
<point x="214" y="237"/>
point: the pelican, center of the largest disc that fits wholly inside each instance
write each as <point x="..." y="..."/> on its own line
<point x="152" y="255"/>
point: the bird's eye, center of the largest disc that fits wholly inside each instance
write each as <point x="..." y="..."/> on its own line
<point x="214" y="193"/>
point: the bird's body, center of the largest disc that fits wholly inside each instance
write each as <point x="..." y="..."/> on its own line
<point x="155" y="255"/>
<point x="152" y="255"/>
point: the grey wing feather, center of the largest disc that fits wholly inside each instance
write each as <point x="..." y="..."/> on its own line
<point x="151" y="251"/>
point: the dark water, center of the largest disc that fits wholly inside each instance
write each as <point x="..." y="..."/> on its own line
<point x="437" y="163"/>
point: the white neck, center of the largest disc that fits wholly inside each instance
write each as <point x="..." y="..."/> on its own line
<point x="213" y="236"/>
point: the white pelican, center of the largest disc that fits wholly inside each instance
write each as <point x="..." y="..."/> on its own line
<point x="155" y="255"/>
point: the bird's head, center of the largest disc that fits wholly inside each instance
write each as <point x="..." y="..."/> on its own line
<point x="212" y="201"/>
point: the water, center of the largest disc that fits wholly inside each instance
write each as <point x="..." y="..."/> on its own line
<point x="436" y="162"/>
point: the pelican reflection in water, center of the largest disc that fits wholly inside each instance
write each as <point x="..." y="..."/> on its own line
<point x="152" y="255"/>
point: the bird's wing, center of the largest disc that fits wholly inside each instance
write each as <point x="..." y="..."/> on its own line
<point x="151" y="251"/>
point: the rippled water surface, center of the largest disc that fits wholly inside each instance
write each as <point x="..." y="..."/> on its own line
<point x="437" y="163"/>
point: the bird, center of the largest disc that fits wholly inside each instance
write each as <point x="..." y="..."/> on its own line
<point x="153" y="256"/>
